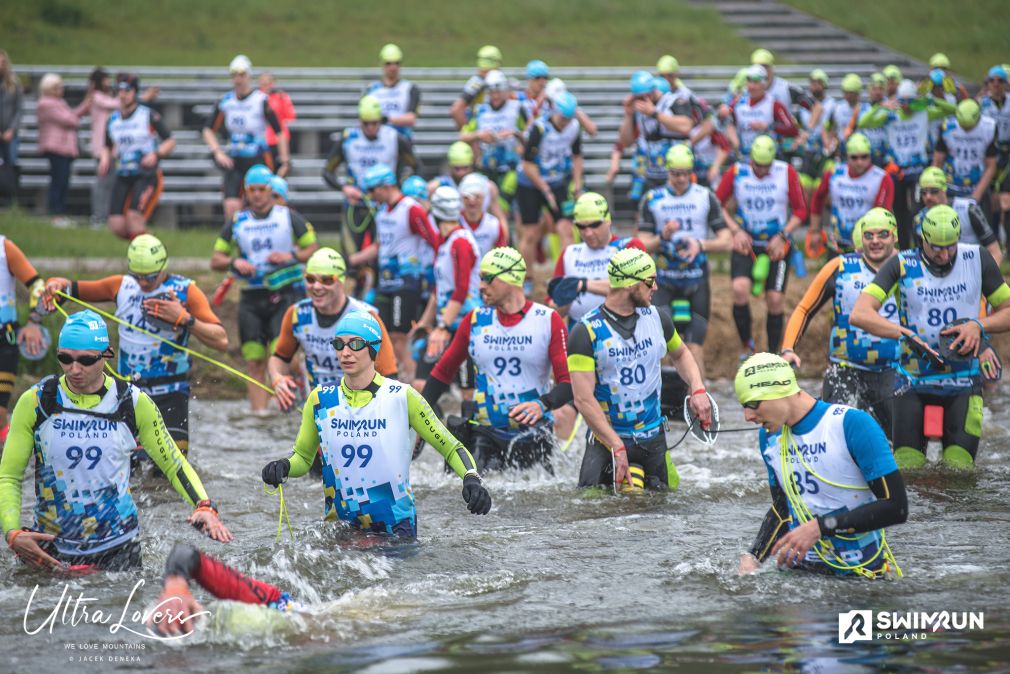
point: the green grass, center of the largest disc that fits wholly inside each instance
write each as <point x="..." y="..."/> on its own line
<point x="972" y="34"/>
<point x="37" y="238"/>
<point x="343" y="33"/>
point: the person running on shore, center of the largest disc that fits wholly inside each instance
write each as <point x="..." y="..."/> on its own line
<point x="362" y="427"/>
<point x="676" y="223"/>
<point x="489" y="231"/>
<point x="834" y="484"/>
<point x="474" y="91"/>
<point x="974" y="224"/>
<point x="168" y="305"/>
<point x="769" y="205"/>
<point x="400" y="99"/>
<point x="244" y="115"/>
<point x="850" y="190"/>
<point x="516" y="345"/>
<point x="861" y="373"/>
<point x="996" y="105"/>
<point x="614" y="356"/>
<point x="265" y="246"/>
<point x="310" y="325"/>
<point x="81" y="429"/>
<point x="967" y="150"/>
<point x="939" y="287"/>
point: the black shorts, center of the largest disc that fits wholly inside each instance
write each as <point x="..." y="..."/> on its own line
<point x="740" y="266"/>
<point x="9" y="356"/>
<point x="399" y="309"/>
<point x="139" y="193"/>
<point x="688" y="306"/>
<point x="962" y="420"/>
<point x="862" y="389"/>
<point x="260" y="312"/>
<point x="598" y="468"/>
<point x="234" y="178"/>
<point x="531" y="448"/>
<point x="532" y="202"/>
<point x="125" y="557"/>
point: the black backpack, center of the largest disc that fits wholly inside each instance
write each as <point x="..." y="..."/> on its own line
<point x="49" y="405"/>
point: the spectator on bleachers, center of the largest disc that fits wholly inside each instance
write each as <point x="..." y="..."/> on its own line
<point x="399" y="98"/>
<point x="283" y="108"/>
<point x="11" y="105"/>
<point x="488" y="58"/>
<point x="103" y="104"/>
<point x="58" y="124"/>
<point x="244" y="115"/>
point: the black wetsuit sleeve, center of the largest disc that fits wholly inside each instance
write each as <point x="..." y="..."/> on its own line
<point x="980" y="225"/>
<point x="413" y="98"/>
<point x="333" y="161"/>
<point x="299" y="225"/>
<point x="532" y="144"/>
<point x="941" y="145"/>
<point x="888" y="275"/>
<point x="159" y="126"/>
<point x="890" y="508"/>
<point x="715" y="219"/>
<point x="646" y="216"/>
<point x="577" y="145"/>
<point x="774" y="525"/>
<point x="558" y="396"/>
<point x="183" y="560"/>
<point x="270" y="116"/>
<point x="668" y="327"/>
<point x="992" y="277"/>
<point x="579" y="342"/>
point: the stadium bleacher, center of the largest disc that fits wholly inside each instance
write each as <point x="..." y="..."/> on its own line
<point x="326" y="101"/>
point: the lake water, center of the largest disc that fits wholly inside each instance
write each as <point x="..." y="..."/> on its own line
<point x="553" y="580"/>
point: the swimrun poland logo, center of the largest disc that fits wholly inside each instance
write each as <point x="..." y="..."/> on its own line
<point x="863" y="625"/>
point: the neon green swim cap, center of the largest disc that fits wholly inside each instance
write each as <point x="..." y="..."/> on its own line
<point x="941" y="226"/>
<point x="762" y="150"/>
<point x="369" y="109"/>
<point x="968" y="113"/>
<point x="893" y="72"/>
<point x="146" y="255"/>
<point x="505" y="263"/>
<point x="762" y="57"/>
<point x="460" y="154"/>
<point x="630" y="266"/>
<point x="390" y="54"/>
<point x="939" y="60"/>
<point x="818" y="75"/>
<point x="764" y="376"/>
<point x="328" y="262"/>
<point x="679" y="157"/>
<point x="852" y="83"/>
<point x="667" y="65"/>
<point x="591" y="207"/>
<point x="933" y="177"/>
<point x="857" y="144"/>
<point x="488" y="57"/>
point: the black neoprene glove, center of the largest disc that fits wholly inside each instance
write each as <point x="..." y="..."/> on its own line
<point x="478" y="500"/>
<point x="276" y="472"/>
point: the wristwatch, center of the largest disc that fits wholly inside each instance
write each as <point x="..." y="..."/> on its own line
<point x="190" y="322"/>
<point x="207" y="503"/>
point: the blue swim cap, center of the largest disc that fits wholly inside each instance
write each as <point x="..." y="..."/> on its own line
<point x="661" y="85"/>
<point x="565" y="104"/>
<point x="998" y="71"/>
<point x="258" y="175"/>
<point x="416" y="187"/>
<point x="379" y="174"/>
<point x="84" y="331"/>
<point x="936" y="76"/>
<point x="537" y="68"/>
<point x="641" y="82"/>
<point x="279" y="186"/>
<point x="361" y="324"/>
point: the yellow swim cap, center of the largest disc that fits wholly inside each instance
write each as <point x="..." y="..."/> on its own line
<point x="505" y="263"/>
<point x="630" y="266"/>
<point x="328" y="262"/>
<point x="764" y="376"/>
<point x="591" y="207"/>
<point x="146" y="255"/>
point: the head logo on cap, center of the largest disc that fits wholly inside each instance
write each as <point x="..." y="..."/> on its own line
<point x="146" y="255"/>
<point x="504" y="263"/>
<point x="764" y="376"/>
<point x="630" y="266"/>
<point x="327" y="261"/>
<point x="84" y="331"/>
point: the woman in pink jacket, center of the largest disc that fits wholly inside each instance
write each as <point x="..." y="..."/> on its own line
<point x="58" y="139"/>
